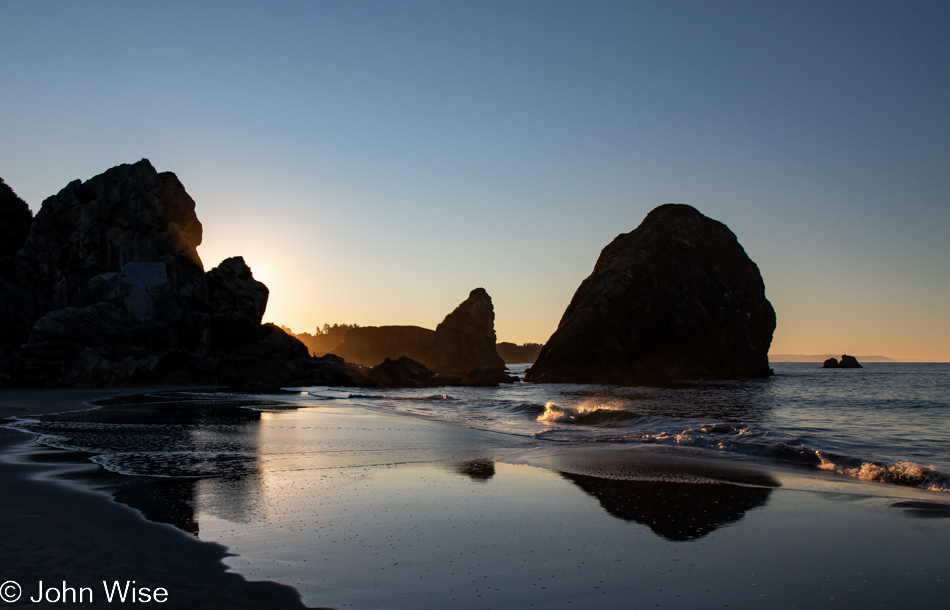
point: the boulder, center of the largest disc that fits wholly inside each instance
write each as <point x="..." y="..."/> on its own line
<point x="400" y="373"/>
<point x="233" y="291"/>
<point x="677" y="298"/>
<point x="463" y="341"/>
<point x="237" y="302"/>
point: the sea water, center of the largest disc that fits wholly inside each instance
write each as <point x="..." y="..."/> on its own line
<point x="885" y="422"/>
<point x="547" y="496"/>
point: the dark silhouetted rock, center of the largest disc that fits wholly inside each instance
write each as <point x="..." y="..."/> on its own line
<point x="466" y="337"/>
<point x="847" y="362"/>
<point x="465" y="340"/>
<point x="274" y="358"/>
<point x="233" y="291"/>
<point x="238" y="302"/>
<point x="15" y="220"/>
<point x="486" y="378"/>
<point x="19" y="309"/>
<point x="677" y="298"/>
<point x="129" y="214"/>
<point x="400" y="373"/>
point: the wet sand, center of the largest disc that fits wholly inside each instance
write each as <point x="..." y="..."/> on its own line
<point x="365" y="509"/>
<point x="56" y="531"/>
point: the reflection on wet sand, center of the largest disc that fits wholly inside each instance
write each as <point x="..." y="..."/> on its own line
<point x="478" y="470"/>
<point x="676" y="511"/>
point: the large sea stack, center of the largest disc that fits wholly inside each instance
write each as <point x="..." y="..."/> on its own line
<point x="677" y="298"/>
<point x="465" y="340"/>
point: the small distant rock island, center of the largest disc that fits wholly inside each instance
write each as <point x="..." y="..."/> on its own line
<point x="677" y="298"/>
<point x="104" y="287"/>
<point x="847" y="362"/>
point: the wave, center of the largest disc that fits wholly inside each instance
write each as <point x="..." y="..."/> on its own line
<point x="430" y="398"/>
<point x="584" y="415"/>
<point x="902" y="472"/>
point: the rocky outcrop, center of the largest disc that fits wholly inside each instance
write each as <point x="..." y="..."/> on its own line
<point x="275" y="358"/>
<point x="401" y="373"/>
<point x="111" y="291"/>
<point x="15" y="221"/>
<point x="847" y="362"/>
<point x="465" y="340"/>
<point x="19" y="307"/>
<point x="677" y="298"/>
<point x="233" y="291"/>
<point x="129" y="214"/>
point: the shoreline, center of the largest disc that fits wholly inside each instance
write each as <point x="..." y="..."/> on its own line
<point x="362" y="522"/>
<point x="57" y="531"/>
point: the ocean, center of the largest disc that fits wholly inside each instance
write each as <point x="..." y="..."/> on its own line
<point x="885" y="422"/>
<point x="812" y="488"/>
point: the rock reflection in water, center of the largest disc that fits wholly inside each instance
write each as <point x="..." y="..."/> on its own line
<point x="676" y="511"/>
<point x="478" y="470"/>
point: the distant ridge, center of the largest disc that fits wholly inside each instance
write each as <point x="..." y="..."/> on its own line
<point x="822" y="357"/>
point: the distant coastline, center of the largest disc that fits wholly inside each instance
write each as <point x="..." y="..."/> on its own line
<point x="819" y="358"/>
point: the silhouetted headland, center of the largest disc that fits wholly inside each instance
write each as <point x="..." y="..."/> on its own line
<point x="677" y="298"/>
<point x="461" y="345"/>
<point x="518" y="354"/>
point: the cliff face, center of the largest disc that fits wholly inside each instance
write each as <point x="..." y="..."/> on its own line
<point x="128" y="214"/>
<point x="15" y="221"/>
<point x="677" y="298"/>
<point x="465" y="340"/>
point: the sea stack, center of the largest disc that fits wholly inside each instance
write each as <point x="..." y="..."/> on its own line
<point x="464" y="341"/>
<point x="677" y="298"/>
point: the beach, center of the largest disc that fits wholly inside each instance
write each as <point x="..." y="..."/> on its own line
<point x="386" y="510"/>
<point x="59" y="531"/>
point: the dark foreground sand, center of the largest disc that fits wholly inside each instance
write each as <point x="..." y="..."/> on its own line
<point x="373" y="510"/>
<point x="54" y="531"/>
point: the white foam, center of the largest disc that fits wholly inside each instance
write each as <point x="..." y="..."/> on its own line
<point x="903" y="472"/>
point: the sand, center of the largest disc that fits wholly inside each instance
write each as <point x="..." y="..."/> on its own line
<point x="394" y="512"/>
<point x="54" y="531"/>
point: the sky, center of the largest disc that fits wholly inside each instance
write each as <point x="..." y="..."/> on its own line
<point x="373" y="162"/>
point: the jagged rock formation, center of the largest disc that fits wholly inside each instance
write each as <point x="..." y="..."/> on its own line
<point x="847" y="362"/>
<point x="465" y="340"/>
<point x="15" y="221"/>
<point x="677" y="298"/>
<point x="129" y="214"/>
<point x="113" y="290"/>
<point x="19" y="307"/>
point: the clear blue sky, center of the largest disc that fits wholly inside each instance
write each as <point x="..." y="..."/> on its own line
<point x="375" y="161"/>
